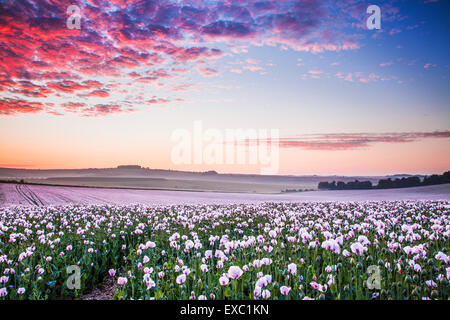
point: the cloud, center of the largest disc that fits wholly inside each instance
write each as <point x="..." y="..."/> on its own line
<point x="386" y="64"/>
<point x="104" y="109"/>
<point x="72" y="106"/>
<point x="207" y="72"/>
<point x="67" y="86"/>
<point x="252" y="61"/>
<point x="351" y="141"/>
<point x="156" y="100"/>
<point x="429" y="66"/>
<point x="394" y="31"/>
<point x="17" y="106"/>
<point x="97" y="93"/>
<point x="253" y="68"/>
<point x="364" y="78"/>
<point x="40" y="58"/>
<point x="228" y="29"/>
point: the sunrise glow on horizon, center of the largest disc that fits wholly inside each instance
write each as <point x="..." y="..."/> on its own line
<point x="346" y="100"/>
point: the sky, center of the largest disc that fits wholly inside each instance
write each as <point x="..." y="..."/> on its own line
<point x="344" y="99"/>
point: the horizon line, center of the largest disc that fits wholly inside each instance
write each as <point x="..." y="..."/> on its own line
<point x="221" y="173"/>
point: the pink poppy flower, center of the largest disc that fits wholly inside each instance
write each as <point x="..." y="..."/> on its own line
<point x="204" y="268"/>
<point x="235" y="272"/>
<point x="223" y="280"/>
<point x="285" y="290"/>
<point x="181" y="279"/>
<point x="121" y="281"/>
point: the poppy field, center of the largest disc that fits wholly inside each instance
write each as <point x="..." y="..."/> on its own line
<point x="316" y="250"/>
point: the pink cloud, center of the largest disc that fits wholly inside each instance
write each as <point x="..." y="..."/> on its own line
<point x="119" y="39"/>
<point x="208" y="72"/>
<point x="350" y="141"/>
<point x="429" y="65"/>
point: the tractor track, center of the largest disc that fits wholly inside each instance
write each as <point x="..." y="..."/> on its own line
<point x="29" y="195"/>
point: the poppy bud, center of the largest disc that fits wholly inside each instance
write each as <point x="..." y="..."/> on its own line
<point x="434" y="294"/>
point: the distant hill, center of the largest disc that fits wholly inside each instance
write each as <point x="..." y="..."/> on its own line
<point x="405" y="175"/>
<point x="136" y="171"/>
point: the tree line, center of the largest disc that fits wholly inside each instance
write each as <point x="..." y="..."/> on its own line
<point x="389" y="183"/>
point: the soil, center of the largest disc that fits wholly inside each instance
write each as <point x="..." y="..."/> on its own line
<point x="104" y="291"/>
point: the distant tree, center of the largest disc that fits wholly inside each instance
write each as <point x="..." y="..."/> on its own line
<point x="446" y="177"/>
<point x="210" y="172"/>
<point x="405" y="182"/>
<point x="366" y="185"/>
<point x="324" y="185"/>
<point x="431" y="180"/>
<point x="385" y="184"/>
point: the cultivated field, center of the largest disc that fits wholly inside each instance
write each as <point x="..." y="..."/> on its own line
<point x="153" y="244"/>
<point x="345" y="250"/>
<point x="170" y="184"/>
<point x="154" y="179"/>
<point x="17" y="194"/>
